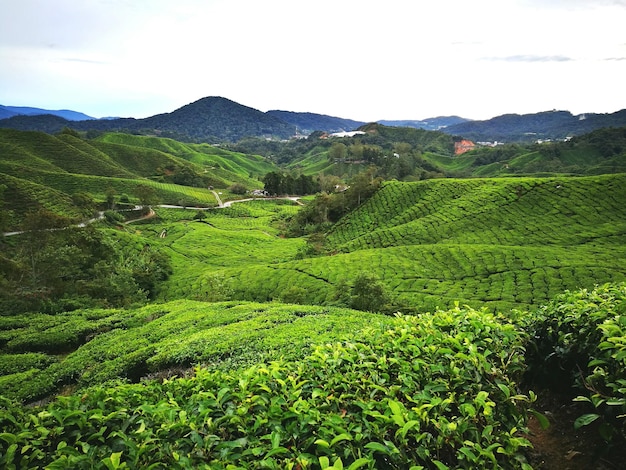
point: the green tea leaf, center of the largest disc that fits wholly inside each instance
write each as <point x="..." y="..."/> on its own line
<point x="543" y="421"/>
<point x="585" y="420"/>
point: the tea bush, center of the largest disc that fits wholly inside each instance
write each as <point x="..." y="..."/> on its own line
<point x="436" y="391"/>
<point x="578" y="344"/>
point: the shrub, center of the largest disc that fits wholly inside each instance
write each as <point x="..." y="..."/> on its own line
<point x="578" y="346"/>
<point x="434" y="392"/>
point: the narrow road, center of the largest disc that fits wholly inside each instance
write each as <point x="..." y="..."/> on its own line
<point x="218" y="199"/>
<point x="220" y="205"/>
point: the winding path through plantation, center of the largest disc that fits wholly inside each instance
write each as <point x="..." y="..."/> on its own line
<point x="151" y="213"/>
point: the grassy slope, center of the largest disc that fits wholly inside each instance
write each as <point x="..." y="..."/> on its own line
<point x="240" y="236"/>
<point x="41" y="353"/>
<point x="500" y="242"/>
<point x="525" y="211"/>
<point x="64" y="165"/>
<point x="209" y="157"/>
<point x="579" y="159"/>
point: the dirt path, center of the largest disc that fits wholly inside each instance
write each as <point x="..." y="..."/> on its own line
<point x="151" y="214"/>
<point x="218" y="199"/>
<point x="563" y="447"/>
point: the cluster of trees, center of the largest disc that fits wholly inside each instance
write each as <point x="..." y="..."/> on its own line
<point x="276" y="183"/>
<point x="57" y="270"/>
<point x="366" y="292"/>
<point x="327" y="208"/>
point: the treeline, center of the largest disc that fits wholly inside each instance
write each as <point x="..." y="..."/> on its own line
<point x="278" y="183"/>
<point x="54" y="270"/>
<point x="328" y="208"/>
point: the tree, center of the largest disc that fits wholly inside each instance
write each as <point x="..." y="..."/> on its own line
<point x="338" y="151"/>
<point x="238" y="188"/>
<point x="200" y="215"/>
<point x="273" y="182"/>
<point x="362" y="187"/>
<point x="110" y="197"/>
<point x="146" y="194"/>
<point x="328" y="183"/>
<point x="84" y="201"/>
<point x="368" y="293"/>
<point x="294" y="295"/>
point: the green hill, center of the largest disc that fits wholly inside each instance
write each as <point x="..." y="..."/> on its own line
<point x="68" y="164"/>
<point x="498" y="242"/>
<point x="409" y="333"/>
<point x="599" y="152"/>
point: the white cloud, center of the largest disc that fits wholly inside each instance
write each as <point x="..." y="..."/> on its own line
<point x="355" y="59"/>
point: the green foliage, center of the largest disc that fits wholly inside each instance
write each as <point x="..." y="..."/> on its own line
<point x="367" y="293"/>
<point x="524" y="211"/>
<point x="579" y="340"/>
<point x="437" y="391"/>
<point x="327" y="207"/>
<point x="103" y="345"/>
<point x="77" y="267"/>
<point x="41" y="170"/>
<point x="277" y="183"/>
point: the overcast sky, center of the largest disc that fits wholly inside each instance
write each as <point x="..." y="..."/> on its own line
<point x="364" y="60"/>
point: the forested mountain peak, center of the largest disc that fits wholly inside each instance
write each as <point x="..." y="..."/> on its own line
<point x="219" y="118"/>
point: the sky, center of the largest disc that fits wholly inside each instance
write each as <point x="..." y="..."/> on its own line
<point x="363" y="60"/>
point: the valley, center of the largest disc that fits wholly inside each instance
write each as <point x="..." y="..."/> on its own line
<point x="396" y="307"/>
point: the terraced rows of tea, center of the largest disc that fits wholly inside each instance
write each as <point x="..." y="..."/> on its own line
<point x="242" y="236"/>
<point x="524" y="212"/>
<point x="68" y="164"/>
<point x="504" y="243"/>
<point x="41" y="352"/>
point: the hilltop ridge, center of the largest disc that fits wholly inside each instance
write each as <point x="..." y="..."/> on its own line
<point x="216" y="119"/>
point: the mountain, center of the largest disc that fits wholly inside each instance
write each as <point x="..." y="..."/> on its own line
<point x="310" y="122"/>
<point x="430" y="124"/>
<point x="547" y="125"/>
<point x="211" y="119"/>
<point x="219" y="119"/>
<point x="9" y="111"/>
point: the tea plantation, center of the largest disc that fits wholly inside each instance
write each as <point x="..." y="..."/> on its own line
<point x="487" y="292"/>
<point x="500" y="243"/>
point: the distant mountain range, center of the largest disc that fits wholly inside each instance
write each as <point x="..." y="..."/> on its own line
<point x="10" y="111"/>
<point x="548" y="125"/>
<point x="217" y="119"/>
<point x="431" y="124"/>
<point x="306" y="123"/>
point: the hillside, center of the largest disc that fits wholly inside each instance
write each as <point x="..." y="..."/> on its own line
<point x="232" y="344"/>
<point x="307" y="123"/>
<point x="548" y="125"/>
<point x="117" y="164"/>
<point x="211" y="119"/>
<point x="602" y="151"/>
<point x="430" y="124"/>
<point x="500" y="243"/>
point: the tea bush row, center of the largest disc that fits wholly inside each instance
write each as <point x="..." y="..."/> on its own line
<point x="430" y="276"/>
<point x="130" y="344"/>
<point x="432" y="392"/>
<point x="528" y="211"/>
<point x="578" y="343"/>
